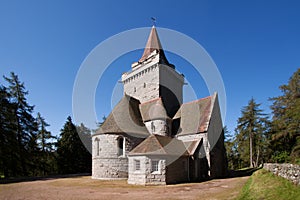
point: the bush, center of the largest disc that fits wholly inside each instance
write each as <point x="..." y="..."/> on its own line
<point x="281" y="157"/>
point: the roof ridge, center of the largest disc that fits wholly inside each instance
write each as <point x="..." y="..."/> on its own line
<point x="152" y="100"/>
<point x="197" y="100"/>
<point x="163" y="148"/>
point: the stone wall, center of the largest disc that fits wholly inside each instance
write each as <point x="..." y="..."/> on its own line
<point x="142" y="83"/>
<point x="108" y="161"/>
<point x="217" y="156"/>
<point x="144" y="176"/>
<point x="159" y="177"/>
<point x="287" y="171"/>
<point x="177" y="171"/>
<point x="109" y="168"/>
<point x="137" y="177"/>
<point x="150" y="80"/>
<point x="170" y="89"/>
<point x="160" y="127"/>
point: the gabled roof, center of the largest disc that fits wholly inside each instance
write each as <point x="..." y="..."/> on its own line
<point x="191" y="146"/>
<point x="195" y="116"/>
<point x="153" y="44"/>
<point x="153" y="109"/>
<point x="160" y="145"/>
<point x="124" y="118"/>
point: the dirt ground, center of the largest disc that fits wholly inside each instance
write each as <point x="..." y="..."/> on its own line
<point x="86" y="188"/>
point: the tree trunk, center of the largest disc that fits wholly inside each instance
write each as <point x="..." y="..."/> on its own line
<point x="257" y="158"/>
<point x="251" y="156"/>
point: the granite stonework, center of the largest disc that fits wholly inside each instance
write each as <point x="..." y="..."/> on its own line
<point x="109" y="160"/>
<point x="151" y="137"/>
<point x="290" y="172"/>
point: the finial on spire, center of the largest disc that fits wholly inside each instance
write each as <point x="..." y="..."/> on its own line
<point x="153" y="21"/>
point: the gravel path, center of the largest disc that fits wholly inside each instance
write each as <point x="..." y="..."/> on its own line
<point x="86" y="188"/>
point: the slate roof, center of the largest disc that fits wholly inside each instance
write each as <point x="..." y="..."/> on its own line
<point x="191" y="146"/>
<point x="195" y="116"/>
<point x="160" y="145"/>
<point x="125" y="118"/>
<point x="128" y="116"/>
<point x="153" y="44"/>
<point x="153" y="109"/>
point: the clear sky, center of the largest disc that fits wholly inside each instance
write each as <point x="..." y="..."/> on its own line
<point x="255" y="45"/>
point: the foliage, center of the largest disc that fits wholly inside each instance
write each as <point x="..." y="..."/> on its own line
<point x="232" y="154"/>
<point x="286" y="118"/>
<point x="27" y="148"/>
<point x="280" y="157"/>
<point x="265" y="185"/>
<point x="47" y="162"/>
<point x="252" y="135"/>
<point x="73" y="157"/>
<point x="22" y="129"/>
<point x="9" y="157"/>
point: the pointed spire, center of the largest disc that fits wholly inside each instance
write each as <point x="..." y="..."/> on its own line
<point x="153" y="44"/>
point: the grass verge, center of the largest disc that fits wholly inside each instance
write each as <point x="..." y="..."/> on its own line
<point x="265" y="185"/>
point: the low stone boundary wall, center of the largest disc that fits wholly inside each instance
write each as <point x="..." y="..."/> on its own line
<point x="287" y="171"/>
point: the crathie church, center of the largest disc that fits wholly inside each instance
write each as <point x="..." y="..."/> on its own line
<point x="151" y="137"/>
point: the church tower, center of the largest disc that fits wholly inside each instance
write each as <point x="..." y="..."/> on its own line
<point x="154" y="77"/>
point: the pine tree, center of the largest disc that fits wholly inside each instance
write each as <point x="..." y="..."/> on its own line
<point x="85" y="136"/>
<point x="9" y="159"/>
<point x="251" y="134"/>
<point x="45" y="143"/>
<point x="286" y="121"/>
<point x="44" y="135"/>
<point x="73" y="157"/>
<point x="23" y="122"/>
<point x="231" y="150"/>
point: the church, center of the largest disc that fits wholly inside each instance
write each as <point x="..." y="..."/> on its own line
<point x="151" y="137"/>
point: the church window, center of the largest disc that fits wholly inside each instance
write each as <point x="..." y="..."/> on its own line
<point x="152" y="127"/>
<point x="97" y="146"/>
<point x="137" y="165"/>
<point x="134" y="89"/>
<point x="121" y="146"/>
<point x="154" y="166"/>
<point x="144" y="85"/>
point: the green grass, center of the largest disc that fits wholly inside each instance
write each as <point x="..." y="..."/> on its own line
<point x="265" y="185"/>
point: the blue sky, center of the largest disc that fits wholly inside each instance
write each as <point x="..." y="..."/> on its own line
<point x="255" y="45"/>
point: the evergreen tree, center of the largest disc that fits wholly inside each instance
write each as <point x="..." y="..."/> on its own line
<point x="44" y="135"/>
<point x="286" y="121"/>
<point x="85" y="136"/>
<point x="231" y="150"/>
<point x="45" y="143"/>
<point x="73" y="157"/>
<point x="23" y="123"/>
<point x="9" y="159"/>
<point x="251" y="134"/>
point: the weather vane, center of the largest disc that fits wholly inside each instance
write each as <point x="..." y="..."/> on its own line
<point x="153" y="21"/>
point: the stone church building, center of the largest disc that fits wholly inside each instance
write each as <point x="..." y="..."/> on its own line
<point x="151" y="137"/>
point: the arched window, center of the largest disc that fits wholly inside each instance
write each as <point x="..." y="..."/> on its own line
<point x="152" y="127"/>
<point x="97" y="146"/>
<point x="121" y="146"/>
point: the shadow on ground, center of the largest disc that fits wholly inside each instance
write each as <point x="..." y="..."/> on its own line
<point x="27" y="179"/>
<point x="242" y="172"/>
